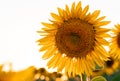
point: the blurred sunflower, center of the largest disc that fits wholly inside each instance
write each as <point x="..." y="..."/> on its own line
<point x="73" y="40"/>
<point x="111" y="66"/>
<point x="42" y="71"/>
<point x="97" y="72"/>
<point x="24" y="75"/>
<point x="5" y="76"/>
<point x="115" y="44"/>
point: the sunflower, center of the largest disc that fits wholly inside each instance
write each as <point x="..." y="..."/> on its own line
<point x="74" y="39"/>
<point x="24" y="75"/>
<point x="111" y="66"/>
<point x="5" y="76"/>
<point x="97" y="72"/>
<point x="115" y="44"/>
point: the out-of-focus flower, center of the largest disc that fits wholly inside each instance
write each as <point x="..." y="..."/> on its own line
<point x="54" y="76"/>
<point x="5" y="76"/>
<point x="111" y="66"/>
<point x="97" y="72"/>
<point x="115" y="44"/>
<point x="42" y="71"/>
<point x="25" y="75"/>
<point x="73" y="40"/>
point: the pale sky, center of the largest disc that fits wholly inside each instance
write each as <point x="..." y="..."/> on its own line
<point x="20" y="19"/>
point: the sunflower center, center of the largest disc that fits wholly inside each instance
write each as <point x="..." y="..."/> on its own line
<point x="110" y="62"/>
<point x="75" y="38"/>
<point x="118" y="40"/>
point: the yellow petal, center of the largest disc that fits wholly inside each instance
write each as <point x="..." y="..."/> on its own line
<point x="95" y="14"/>
<point x="80" y="67"/>
<point x="102" y="41"/>
<point x="97" y="59"/>
<point x="62" y="64"/>
<point x="84" y="12"/>
<point x="66" y="15"/>
<point x="67" y="10"/>
<point x="78" y="10"/>
<point x="88" y="69"/>
<point x="112" y="51"/>
<point x="78" y="7"/>
<point x="101" y="18"/>
<point x="47" y="46"/>
<point x="51" y="51"/>
<point x="70" y="67"/>
<point x="102" y="30"/>
<point x="73" y="9"/>
<point x="84" y="66"/>
<point x="90" y="61"/>
<point x="58" y="62"/>
<point x="53" y="60"/>
<point x="87" y="17"/>
<point x="74" y="68"/>
<point x="48" y="25"/>
<point x="102" y="23"/>
<point x="60" y="11"/>
<point x="43" y="33"/>
<point x="45" y="39"/>
<point x="67" y="65"/>
<point x="56" y="17"/>
<point x="102" y="35"/>
<point x="102" y="53"/>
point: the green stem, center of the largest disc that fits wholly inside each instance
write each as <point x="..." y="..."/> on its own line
<point x="85" y="78"/>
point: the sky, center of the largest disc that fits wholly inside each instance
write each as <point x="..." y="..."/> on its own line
<point x="20" y="19"/>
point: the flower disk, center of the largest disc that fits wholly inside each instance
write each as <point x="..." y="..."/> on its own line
<point x="115" y="44"/>
<point x="73" y="40"/>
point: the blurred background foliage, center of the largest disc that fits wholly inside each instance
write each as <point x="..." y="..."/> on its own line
<point x="41" y="74"/>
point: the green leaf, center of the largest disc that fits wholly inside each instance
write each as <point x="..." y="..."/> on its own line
<point x="99" y="78"/>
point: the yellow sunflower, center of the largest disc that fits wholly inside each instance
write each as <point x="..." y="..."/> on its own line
<point x="97" y="72"/>
<point x="24" y="75"/>
<point x="111" y="66"/>
<point x="115" y="44"/>
<point x="73" y="40"/>
<point x="5" y="76"/>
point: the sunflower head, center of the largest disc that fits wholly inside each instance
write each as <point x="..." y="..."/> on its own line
<point x="115" y="44"/>
<point x="111" y="66"/>
<point x="73" y="39"/>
